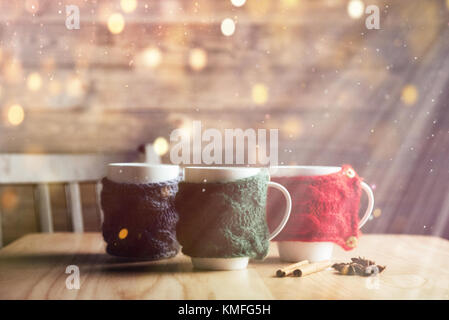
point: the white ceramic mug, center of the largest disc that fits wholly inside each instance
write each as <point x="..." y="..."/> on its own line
<point x="293" y="251"/>
<point x="227" y="174"/>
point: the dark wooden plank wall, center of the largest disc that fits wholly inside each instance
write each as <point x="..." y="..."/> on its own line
<point x="336" y="90"/>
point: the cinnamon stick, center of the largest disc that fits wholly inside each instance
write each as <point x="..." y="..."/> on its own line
<point x="288" y="270"/>
<point x="311" y="268"/>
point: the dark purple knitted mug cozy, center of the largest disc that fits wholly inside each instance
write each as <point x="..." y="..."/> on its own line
<point x="140" y="219"/>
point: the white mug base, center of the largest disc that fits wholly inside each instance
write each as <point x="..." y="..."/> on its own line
<point x="295" y="251"/>
<point x="220" y="263"/>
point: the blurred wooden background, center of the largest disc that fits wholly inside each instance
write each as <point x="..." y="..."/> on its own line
<point x="338" y="92"/>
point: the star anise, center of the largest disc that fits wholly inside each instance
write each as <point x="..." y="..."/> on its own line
<point x="364" y="262"/>
<point x="359" y="266"/>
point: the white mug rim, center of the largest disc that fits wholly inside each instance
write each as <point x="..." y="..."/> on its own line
<point x="327" y="170"/>
<point x="141" y="172"/>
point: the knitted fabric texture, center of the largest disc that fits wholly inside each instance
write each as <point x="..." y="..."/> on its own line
<point x="223" y="220"/>
<point x="324" y="208"/>
<point x="140" y="219"/>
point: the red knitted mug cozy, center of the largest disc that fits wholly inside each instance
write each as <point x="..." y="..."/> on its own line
<point x="324" y="208"/>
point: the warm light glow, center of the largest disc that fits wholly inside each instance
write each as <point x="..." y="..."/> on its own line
<point x="34" y="81"/>
<point x="15" y="114"/>
<point x="128" y="6"/>
<point x="123" y="234"/>
<point x="447" y="4"/>
<point x="355" y="9"/>
<point x="228" y="27"/>
<point x="377" y="212"/>
<point x="292" y="128"/>
<point x="160" y="146"/>
<point x="9" y="199"/>
<point x="75" y="87"/>
<point x="409" y="95"/>
<point x="290" y="3"/>
<point x="151" y="57"/>
<point x="32" y="6"/>
<point x="197" y="59"/>
<point x="260" y="93"/>
<point x="116" y="23"/>
<point x="238" y="3"/>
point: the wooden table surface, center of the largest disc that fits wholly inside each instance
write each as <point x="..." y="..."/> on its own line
<point x="33" y="267"/>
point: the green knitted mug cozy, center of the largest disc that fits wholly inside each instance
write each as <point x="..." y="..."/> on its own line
<point x="223" y="220"/>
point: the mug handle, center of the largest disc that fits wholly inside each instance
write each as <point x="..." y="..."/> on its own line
<point x="369" y="210"/>
<point x="288" y="208"/>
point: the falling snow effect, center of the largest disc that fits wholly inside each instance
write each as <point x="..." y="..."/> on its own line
<point x="337" y="92"/>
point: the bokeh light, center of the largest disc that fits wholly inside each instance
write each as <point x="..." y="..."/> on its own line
<point x="228" y="27"/>
<point x="123" y="233"/>
<point x="197" y="59"/>
<point x="409" y="95"/>
<point x="32" y="6"/>
<point x="151" y="57"/>
<point x="16" y="114"/>
<point x="116" y="23"/>
<point x="377" y="212"/>
<point x="34" y="81"/>
<point x="290" y="3"/>
<point x="128" y="6"/>
<point x="74" y="87"/>
<point x="355" y="9"/>
<point x="238" y="3"/>
<point x="292" y="128"/>
<point x="160" y="146"/>
<point x="259" y="93"/>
